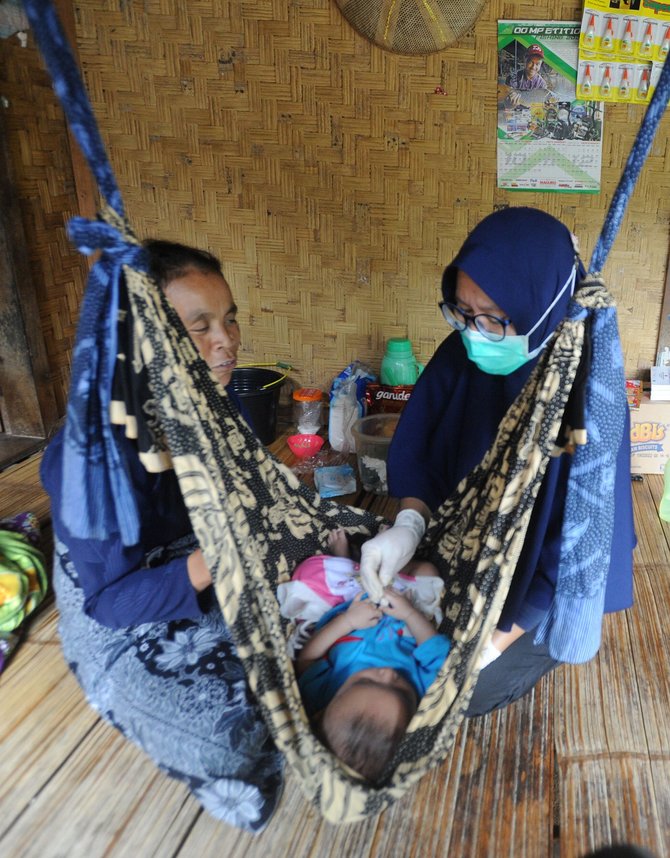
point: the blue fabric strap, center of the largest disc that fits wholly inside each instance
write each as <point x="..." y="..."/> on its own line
<point x="97" y="500"/>
<point x="572" y="626"/>
<point x="635" y="162"/>
<point x="69" y="88"/>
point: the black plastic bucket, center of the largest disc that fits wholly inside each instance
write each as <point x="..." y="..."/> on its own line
<point x="260" y="404"/>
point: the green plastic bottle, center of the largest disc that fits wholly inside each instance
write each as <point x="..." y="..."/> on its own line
<point x="399" y="366"/>
<point x="664" y="506"/>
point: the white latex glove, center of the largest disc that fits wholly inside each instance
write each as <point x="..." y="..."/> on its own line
<point x="389" y="551"/>
<point x="488" y="655"/>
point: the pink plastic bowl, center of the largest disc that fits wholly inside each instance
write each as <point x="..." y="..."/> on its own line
<point x="305" y="445"/>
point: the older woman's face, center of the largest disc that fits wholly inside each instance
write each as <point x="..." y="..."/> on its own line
<point x="204" y="303"/>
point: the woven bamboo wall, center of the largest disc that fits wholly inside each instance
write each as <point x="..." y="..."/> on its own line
<point x="328" y="175"/>
<point x="40" y="152"/>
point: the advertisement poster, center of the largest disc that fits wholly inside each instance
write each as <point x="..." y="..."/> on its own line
<point x="548" y="140"/>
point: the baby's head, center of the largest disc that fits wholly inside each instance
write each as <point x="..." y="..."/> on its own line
<point x="367" y="718"/>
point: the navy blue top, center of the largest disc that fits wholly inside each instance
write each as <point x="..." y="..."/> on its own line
<point x="448" y="424"/>
<point x="521" y="258"/>
<point x="120" y="590"/>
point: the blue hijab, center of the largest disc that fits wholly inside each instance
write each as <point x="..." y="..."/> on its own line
<point x="521" y="258"/>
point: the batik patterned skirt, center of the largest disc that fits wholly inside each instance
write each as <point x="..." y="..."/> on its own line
<point x="178" y="690"/>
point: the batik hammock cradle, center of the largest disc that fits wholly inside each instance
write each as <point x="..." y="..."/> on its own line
<point x="255" y="521"/>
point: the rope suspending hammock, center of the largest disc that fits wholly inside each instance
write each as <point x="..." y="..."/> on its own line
<point x="252" y="517"/>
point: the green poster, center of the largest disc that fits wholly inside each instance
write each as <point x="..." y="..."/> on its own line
<point x="548" y="140"/>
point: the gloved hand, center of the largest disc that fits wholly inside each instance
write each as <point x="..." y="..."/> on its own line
<point x="488" y="655"/>
<point x="383" y="556"/>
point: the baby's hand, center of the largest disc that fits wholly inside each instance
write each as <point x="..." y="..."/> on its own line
<point x="395" y="605"/>
<point x="363" y="614"/>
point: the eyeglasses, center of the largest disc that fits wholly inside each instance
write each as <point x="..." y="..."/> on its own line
<point x="488" y="326"/>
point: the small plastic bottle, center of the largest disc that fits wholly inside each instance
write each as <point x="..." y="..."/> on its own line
<point x="607" y="41"/>
<point x="307" y="410"/>
<point x="624" y="88"/>
<point x="643" y="88"/>
<point x="590" y="34"/>
<point x="665" y="45"/>
<point x="664" y="505"/>
<point x="647" y="41"/>
<point x="606" y="85"/>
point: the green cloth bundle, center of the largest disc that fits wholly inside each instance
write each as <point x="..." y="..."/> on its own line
<point x="23" y="580"/>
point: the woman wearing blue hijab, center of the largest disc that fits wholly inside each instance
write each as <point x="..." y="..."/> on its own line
<point x="505" y="293"/>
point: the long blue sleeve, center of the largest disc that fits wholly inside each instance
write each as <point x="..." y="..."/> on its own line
<point x="450" y="421"/>
<point x="119" y="588"/>
<point x="120" y="591"/>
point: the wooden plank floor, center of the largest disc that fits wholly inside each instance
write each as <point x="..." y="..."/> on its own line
<point x="581" y="762"/>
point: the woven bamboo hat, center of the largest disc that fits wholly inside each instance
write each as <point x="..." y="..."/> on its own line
<point x="411" y="26"/>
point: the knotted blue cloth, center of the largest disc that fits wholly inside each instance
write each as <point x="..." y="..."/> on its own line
<point x="572" y="626"/>
<point x="97" y="499"/>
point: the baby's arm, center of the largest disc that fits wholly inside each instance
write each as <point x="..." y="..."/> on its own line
<point x="401" y="609"/>
<point x="361" y="614"/>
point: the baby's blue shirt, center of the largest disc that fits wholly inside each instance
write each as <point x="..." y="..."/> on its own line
<point x="383" y="645"/>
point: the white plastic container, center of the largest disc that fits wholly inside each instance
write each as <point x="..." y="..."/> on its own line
<point x="308" y="410"/>
<point x="373" y="438"/>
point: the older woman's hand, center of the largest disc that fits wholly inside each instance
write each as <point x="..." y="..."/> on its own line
<point x="198" y="573"/>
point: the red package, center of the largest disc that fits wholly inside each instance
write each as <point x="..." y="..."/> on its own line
<point x="386" y="398"/>
<point x="634" y="392"/>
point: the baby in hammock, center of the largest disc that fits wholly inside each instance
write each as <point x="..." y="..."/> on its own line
<point x="366" y="666"/>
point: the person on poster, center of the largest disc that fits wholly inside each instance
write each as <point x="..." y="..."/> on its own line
<point x="529" y="77"/>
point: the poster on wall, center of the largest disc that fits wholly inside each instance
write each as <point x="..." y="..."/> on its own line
<point x="548" y="140"/>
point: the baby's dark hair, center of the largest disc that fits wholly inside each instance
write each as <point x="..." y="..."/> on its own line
<point x="361" y="743"/>
<point x="169" y="260"/>
<point x="356" y="541"/>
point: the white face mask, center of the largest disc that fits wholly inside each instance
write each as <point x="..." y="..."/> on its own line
<point x="507" y="355"/>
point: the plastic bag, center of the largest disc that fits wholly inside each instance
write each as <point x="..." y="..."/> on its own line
<point x="347" y="397"/>
<point x="335" y="480"/>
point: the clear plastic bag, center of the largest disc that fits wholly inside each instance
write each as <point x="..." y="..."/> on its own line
<point x="347" y="396"/>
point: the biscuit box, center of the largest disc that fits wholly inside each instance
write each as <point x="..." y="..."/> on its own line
<point x="649" y="437"/>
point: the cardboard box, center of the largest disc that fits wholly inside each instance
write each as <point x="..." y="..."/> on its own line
<point x="650" y="437"/>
